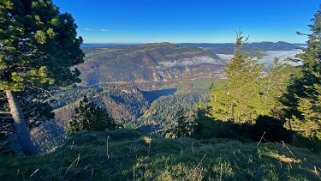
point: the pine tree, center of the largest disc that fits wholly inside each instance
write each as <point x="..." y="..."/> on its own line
<point x="237" y="98"/>
<point x="302" y="101"/>
<point x="89" y="116"/>
<point x="186" y="124"/>
<point x="38" y="45"/>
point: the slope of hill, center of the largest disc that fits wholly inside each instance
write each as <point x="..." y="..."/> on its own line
<point x="131" y="155"/>
<point x="163" y="112"/>
<point x="124" y="102"/>
<point x="150" y="64"/>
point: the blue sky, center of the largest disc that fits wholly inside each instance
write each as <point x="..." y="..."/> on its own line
<point x="181" y="21"/>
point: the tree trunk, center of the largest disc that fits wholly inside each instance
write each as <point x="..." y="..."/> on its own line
<point x="20" y="124"/>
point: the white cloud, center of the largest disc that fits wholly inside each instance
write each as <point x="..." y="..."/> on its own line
<point x="269" y="56"/>
<point x="88" y="29"/>
<point x="191" y="62"/>
<point x="282" y="55"/>
<point x="103" y="30"/>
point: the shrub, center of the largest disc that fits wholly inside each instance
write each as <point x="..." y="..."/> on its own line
<point x="185" y="126"/>
<point x="89" y="116"/>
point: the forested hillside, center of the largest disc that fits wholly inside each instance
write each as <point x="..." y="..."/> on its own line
<point x="163" y="112"/>
<point x="124" y="102"/>
<point x="148" y="65"/>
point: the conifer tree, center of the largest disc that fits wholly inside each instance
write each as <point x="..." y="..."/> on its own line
<point x="303" y="100"/>
<point x="186" y="124"/>
<point x="38" y="45"/>
<point x="274" y="84"/>
<point x="89" y="116"/>
<point x="237" y="99"/>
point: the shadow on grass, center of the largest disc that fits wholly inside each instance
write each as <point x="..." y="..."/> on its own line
<point x="265" y="129"/>
<point x="125" y="154"/>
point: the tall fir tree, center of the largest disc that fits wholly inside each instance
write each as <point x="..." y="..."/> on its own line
<point x="38" y="45"/>
<point x="186" y="124"/>
<point x="303" y="100"/>
<point x="237" y="98"/>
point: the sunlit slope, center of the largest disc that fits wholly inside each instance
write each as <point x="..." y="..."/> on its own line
<point x="129" y="154"/>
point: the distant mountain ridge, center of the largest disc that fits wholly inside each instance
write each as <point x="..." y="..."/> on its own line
<point x="228" y="48"/>
<point x="153" y="64"/>
<point x="85" y="45"/>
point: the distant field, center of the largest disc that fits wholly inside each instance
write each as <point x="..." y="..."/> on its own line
<point x="197" y="85"/>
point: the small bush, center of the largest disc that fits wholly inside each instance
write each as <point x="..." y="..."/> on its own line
<point x="89" y="116"/>
<point x="185" y="126"/>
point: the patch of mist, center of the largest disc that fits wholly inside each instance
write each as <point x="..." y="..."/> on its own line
<point x="190" y="62"/>
<point x="269" y="56"/>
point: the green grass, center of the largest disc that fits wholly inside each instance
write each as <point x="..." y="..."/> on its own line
<point x="203" y="84"/>
<point x="131" y="157"/>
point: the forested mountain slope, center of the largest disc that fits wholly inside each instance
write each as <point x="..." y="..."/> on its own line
<point x="124" y="102"/>
<point x="150" y="64"/>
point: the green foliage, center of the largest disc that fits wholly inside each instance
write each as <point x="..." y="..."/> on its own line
<point x="250" y="90"/>
<point x="89" y="116"/>
<point x="209" y="128"/>
<point x="35" y="109"/>
<point x="238" y="98"/>
<point x="273" y="85"/>
<point x="185" y="126"/>
<point x="84" y="157"/>
<point x="198" y="85"/>
<point x="163" y="111"/>
<point x="265" y="127"/>
<point x="38" y="45"/>
<point x="303" y="96"/>
<point x="125" y="103"/>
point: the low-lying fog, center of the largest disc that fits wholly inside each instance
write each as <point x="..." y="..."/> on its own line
<point x="267" y="59"/>
<point x="269" y="56"/>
